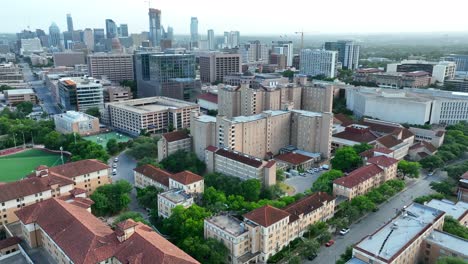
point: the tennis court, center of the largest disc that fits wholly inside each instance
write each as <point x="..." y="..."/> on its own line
<point x="16" y="166"/>
<point x="103" y="138"/>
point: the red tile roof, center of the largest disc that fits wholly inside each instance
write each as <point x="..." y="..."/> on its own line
<point x="365" y="137"/>
<point x="186" y="177"/>
<point x="383" y="150"/>
<point x="293" y="158"/>
<point x="77" y="191"/>
<point x="266" y="215"/>
<point x="8" y="242"/>
<point x="85" y="239"/>
<point x="154" y="173"/>
<point x="129" y="223"/>
<point x="383" y="161"/>
<point x="175" y="136"/>
<point x="77" y="168"/>
<point x="358" y="176"/>
<point x="307" y="204"/>
<point x="380" y="127"/>
<point x="212" y="148"/>
<point x="389" y="141"/>
<point x="32" y="185"/>
<point x="343" y="119"/>
<point x="416" y="74"/>
<point x="209" y="97"/>
<point x="406" y="133"/>
<point x="270" y="164"/>
<point x="465" y="176"/>
<point x="240" y="158"/>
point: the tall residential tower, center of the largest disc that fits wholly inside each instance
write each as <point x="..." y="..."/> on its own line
<point x="155" y="26"/>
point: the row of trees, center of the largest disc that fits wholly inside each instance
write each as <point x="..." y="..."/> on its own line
<point x="79" y="147"/>
<point x="452" y="226"/>
<point x="409" y="168"/>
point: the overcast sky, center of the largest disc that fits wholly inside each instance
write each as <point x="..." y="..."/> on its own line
<point x="248" y="16"/>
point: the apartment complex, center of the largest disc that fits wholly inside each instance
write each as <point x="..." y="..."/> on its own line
<point x="240" y="165"/>
<point x="76" y="122"/>
<point x="394" y="80"/>
<point x="215" y="65"/>
<point x="148" y="175"/>
<point x="412" y="106"/>
<point x="440" y="244"/>
<point x="317" y="98"/>
<point x="116" y="67"/>
<point x="172" y="142"/>
<point x="80" y="94"/>
<point x="16" y="96"/>
<point x="267" y="230"/>
<point x="69" y="233"/>
<point x="362" y="180"/>
<point x="168" y="200"/>
<point x="203" y="131"/>
<point x="348" y="52"/>
<point x="318" y="62"/>
<point x="263" y="135"/>
<point x="400" y="240"/>
<point x="153" y="115"/>
<point x="45" y="183"/>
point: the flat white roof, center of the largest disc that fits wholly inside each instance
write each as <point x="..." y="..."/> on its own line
<point x="455" y="210"/>
<point x="206" y="119"/>
<point x="19" y="91"/>
<point x="394" y="237"/>
<point x="454" y="243"/>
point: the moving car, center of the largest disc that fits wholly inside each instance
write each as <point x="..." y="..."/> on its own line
<point x="344" y="231"/>
<point x="330" y="243"/>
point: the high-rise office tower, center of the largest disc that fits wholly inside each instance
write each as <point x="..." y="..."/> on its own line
<point x="285" y="48"/>
<point x="215" y="65"/>
<point x="254" y="51"/>
<point x="348" y="53"/>
<point x="194" y="32"/>
<point x="111" y="29"/>
<point x="211" y="40"/>
<point x="155" y="26"/>
<point x="318" y="62"/>
<point x="235" y="39"/>
<point x="43" y="37"/>
<point x="123" y="30"/>
<point x="99" y="35"/>
<point x="54" y="35"/>
<point x="69" y="23"/>
<point x="88" y="38"/>
<point x="170" y="33"/>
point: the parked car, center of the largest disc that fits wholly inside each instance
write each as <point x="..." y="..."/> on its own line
<point x="312" y="257"/>
<point x="344" y="231"/>
<point x="302" y="174"/>
<point x="330" y="243"/>
<point x="116" y="159"/>
<point x="114" y="165"/>
<point x="114" y="173"/>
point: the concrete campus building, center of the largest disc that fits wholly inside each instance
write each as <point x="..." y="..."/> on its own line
<point x="16" y="96"/>
<point x="76" y="122"/>
<point x="410" y="237"/>
<point x="215" y="65"/>
<point x="153" y="114"/>
<point x="80" y="94"/>
<point x="68" y="58"/>
<point x="266" y="230"/>
<point x="318" y="62"/>
<point x="395" y="80"/>
<point x="116" y="67"/>
<point x="12" y="75"/>
<point x="412" y="106"/>
<point x="440" y="71"/>
<point x="44" y="183"/>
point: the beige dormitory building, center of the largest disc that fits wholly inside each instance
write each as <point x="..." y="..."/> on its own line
<point x="267" y="230"/>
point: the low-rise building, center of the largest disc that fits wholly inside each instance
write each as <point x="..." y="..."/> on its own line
<point x="172" y="142"/>
<point x="395" y="80"/>
<point x="16" y="96"/>
<point x="440" y="244"/>
<point x="76" y="122"/>
<point x="295" y="161"/>
<point x="117" y="94"/>
<point x="168" y="200"/>
<point x="243" y="166"/>
<point x="69" y="233"/>
<point x="148" y="175"/>
<point x="362" y="180"/>
<point x="267" y="230"/>
<point x="421" y="150"/>
<point x="152" y="114"/>
<point x="400" y="240"/>
<point x="434" y="136"/>
<point x="458" y="211"/>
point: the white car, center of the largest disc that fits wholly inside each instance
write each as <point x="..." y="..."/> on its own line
<point x="116" y="159"/>
<point x="344" y="231"/>
<point x="114" y="165"/>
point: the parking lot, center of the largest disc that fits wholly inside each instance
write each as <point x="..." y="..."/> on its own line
<point x="303" y="183"/>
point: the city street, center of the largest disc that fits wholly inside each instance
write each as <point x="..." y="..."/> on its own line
<point x="375" y="220"/>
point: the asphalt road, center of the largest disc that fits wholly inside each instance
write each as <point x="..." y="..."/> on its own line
<point x="375" y="220"/>
<point x="301" y="183"/>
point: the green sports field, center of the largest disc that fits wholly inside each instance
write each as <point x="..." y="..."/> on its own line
<point x="103" y="138"/>
<point x="16" y="166"/>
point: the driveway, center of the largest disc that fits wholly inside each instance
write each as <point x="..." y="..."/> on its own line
<point x="375" y="220"/>
<point x="302" y="183"/>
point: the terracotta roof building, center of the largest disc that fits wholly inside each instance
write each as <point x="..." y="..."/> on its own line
<point x="295" y="161"/>
<point x="208" y="101"/>
<point x="421" y="150"/>
<point x="237" y="164"/>
<point x="82" y="238"/>
<point x="267" y="230"/>
<point x="172" y="142"/>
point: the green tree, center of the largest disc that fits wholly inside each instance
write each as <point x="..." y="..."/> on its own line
<point x="360" y="148"/>
<point x="427" y="198"/>
<point x="345" y="257"/>
<point x="135" y="216"/>
<point x="363" y="203"/>
<point x="295" y="260"/>
<point x="210" y="251"/>
<point x="214" y="200"/>
<point x="148" y="197"/>
<point x="25" y="108"/>
<point x="112" y="146"/>
<point x="251" y="189"/>
<point x="182" y="160"/>
<point x="5" y="87"/>
<point x="131" y="84"/>
<point x="452" y="226"/>
<point x="346" y="159"/>
<point x="324" y="183"/>
<point x="288" y="74"/>
<point x="52" y="140"/>
<point x="444" y="187"/>
<point x="408" y="168"/>
<point x="93" y="111"/>
<point x="111" y="198"/>
<point x="212" y="112"/>
<point x="310" y="247"/>
<point x="432" y="162"/>
<point x="149" y="161"/>
<point x="280" y="175"/>
<point x="143" y="147"/>
<point x="451" y="260"/>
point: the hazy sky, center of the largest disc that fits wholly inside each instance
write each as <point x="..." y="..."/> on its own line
<point x="248" y="16"/>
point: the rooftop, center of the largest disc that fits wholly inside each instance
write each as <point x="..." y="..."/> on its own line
<point x="176" y="135"/>
<point x="390" y="240"/>
<point x="186" y="177"/>
<point x="358" y="176"/>
<point x="73" y="116"/>
<point x="19" y="92"/>
<point x="293" y="158"/>
<point x="240" y="157"/>
<point x="206" y="119"/>
<point x="307" y="204"/>
<point x="266" y="215"/>
<point x="455" y="210"/>
<point x="151" y="104"/>
<point x="445" y="240"/>
<point x="176" y="196"/>
<point x="156" y="174"/>
<point x="208" y="97"/>
<point x="228" y="223"/>
<point x="382" y="161"/>
<point x="77" y="168"/>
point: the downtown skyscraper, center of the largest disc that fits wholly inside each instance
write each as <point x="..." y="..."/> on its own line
<point x="69" y="23"/>
<point x="194" y="32"/>
<point x="348" y="52"/>
<point x="211" y="40"/>
<point x="111" y="29"/>
<point x="155" y="26"/>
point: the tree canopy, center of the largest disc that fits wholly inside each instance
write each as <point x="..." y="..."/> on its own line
<point x="93" y="111"/>
<point x="408" y="168"/>
<point x="452" y="226"/>
<point x="324" y="183"/>
<point x="182" y="160"/>
<point x="111" y="199"/>
<point x="346" y="159"/>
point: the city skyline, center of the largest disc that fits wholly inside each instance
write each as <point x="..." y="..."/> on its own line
<point x="361" y="17"/>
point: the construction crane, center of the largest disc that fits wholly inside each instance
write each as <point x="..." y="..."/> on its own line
<point x="302" y="38"/>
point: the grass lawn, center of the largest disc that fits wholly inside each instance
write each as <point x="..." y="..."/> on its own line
<point x="103" y="138"/>
<point x="16" y="166"/>
<point x="286" y="188"/>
